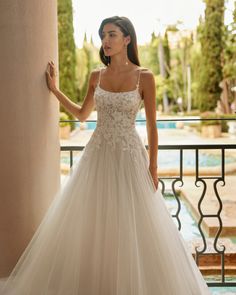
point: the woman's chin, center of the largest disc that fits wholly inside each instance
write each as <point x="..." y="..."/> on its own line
<point x="107" y="54"/>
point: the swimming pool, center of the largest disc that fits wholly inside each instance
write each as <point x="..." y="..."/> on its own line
<point x="189" y="228"/>
<point x="170" y="159"/>
<point x="160" y="125"/>
<point x="140" y="116"/>
<point x="223" y="290"/>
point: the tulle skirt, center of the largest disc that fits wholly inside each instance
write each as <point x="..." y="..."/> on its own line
<point x="107" y="232"/>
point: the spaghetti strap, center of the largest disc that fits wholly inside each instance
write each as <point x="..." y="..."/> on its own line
<point x="99" y="78"/>
<point x="139" y="72"/>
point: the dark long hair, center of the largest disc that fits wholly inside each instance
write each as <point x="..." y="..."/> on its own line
<point x="127" y="29"/>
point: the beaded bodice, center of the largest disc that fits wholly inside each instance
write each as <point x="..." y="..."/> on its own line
<point x="116" y="113"/>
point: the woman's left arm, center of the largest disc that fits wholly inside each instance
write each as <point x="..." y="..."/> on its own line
<point x="149" y="96"/>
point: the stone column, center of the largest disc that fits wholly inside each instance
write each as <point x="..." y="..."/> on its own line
<point x="29" y="114"/>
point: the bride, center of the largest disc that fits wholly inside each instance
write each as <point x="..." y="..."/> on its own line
<point x="108" y="230"/>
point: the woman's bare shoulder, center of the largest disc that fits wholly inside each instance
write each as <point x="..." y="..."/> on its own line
<point x="95" y="72"/>
<point x="146" y="71"/>
<point x="94" y="75"/>
<point x="147" y="75"/>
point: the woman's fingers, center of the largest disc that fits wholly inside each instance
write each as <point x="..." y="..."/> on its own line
<point x="47" y="73"/>
<point x="48" y="68"/>
<point x="50" y="74"/>
<point x="51" y="71"/>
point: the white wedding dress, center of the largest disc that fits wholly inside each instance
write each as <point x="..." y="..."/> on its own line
<point x="108" y="230"/>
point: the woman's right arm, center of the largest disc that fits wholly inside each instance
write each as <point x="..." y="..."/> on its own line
<point x="80" y="112"/>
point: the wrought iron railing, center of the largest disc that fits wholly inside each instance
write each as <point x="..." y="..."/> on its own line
<point x="200" y="180"/>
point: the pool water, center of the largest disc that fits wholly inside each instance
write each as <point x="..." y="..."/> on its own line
<point x="160" y="125"/>
<point x="170" y="159"/>
<point x="223" y="290"/>
<point x="189" y="228"/>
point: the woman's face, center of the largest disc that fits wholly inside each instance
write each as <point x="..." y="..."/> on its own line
<point x="113" y="40"/>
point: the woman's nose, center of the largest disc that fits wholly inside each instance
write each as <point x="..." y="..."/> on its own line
<point x="105" y="38"/>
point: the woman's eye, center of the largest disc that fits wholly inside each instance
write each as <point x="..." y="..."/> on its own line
<point x="110" y="35"/>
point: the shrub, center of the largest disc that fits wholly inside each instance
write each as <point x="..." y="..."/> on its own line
<point x="210" y="115"/>
<point x="64" y="116"/>
<point x="224" y="125"/>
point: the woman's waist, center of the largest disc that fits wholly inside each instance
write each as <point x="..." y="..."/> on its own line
<point x="116" y="131"/>
<point x="125" y="139"/>
<point x="116" y="127"/>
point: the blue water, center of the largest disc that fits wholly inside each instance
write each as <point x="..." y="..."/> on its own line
<point x="223" y="290"/>
<point x="189" y="228"/>
<point x="160" y="125"/>
<point x="171" y="158"/>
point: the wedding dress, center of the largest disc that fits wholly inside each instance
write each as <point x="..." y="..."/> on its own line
<point x="108" y="230"/>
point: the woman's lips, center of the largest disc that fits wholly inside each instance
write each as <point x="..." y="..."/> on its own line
<point x="107" y="48"/>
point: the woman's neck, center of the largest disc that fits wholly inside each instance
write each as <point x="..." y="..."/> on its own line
<point x="120" y="63"/>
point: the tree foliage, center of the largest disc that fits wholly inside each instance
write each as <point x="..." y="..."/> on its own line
<point x="229" y="69"/>
<point x="88" y="59"/>
<point x="166" y="48"/>
<point x="67" y="57"/>
<point x="211" y="38"/>
<point x="149" y="55"/>
<point x="81" y="71"/>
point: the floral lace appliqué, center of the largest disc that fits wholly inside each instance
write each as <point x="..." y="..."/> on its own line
<point x="116" y="120"/>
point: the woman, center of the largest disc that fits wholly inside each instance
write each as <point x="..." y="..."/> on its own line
<point x="108" y="232"/>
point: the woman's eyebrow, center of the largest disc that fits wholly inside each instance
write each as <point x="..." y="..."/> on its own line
<point x="109" y="32"/>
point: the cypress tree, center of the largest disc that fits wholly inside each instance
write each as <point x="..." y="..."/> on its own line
<point x="230" y="49"/>
<point x="81" y="72"/>
<point x="153" y="54"/>
<point x="67" y="53"/>
<point x="166" y="53"/>
<point x="212" y="46"/>
<point x="91" y="53"/>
